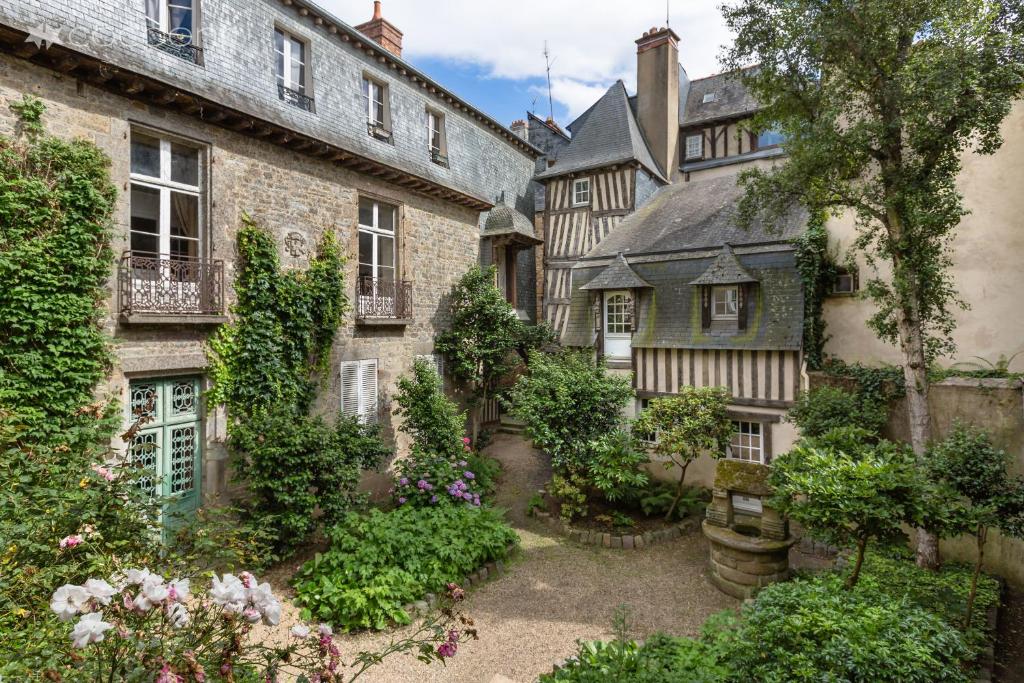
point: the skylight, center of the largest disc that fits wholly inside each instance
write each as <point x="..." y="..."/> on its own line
<point x="710" y="97"/>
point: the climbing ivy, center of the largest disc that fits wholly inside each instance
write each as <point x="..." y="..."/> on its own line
<point x="817" y="272"/>
<point x="265" y="366"/>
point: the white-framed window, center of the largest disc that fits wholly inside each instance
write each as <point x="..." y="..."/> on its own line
<point x="377" y="227"/>
<point x="649" y="438"/>
<point x="165" y="199"/>
<point x="695" y="146"/>
<point x="747" y="442"/>
<point x="437" y="142"/>
<point x="291" y="64"/>
<point x="618" y="314"/>
<point x="375" y="99"/>
<point x="724" y="303"/>
<point x="174" y="17"/>
<point x="581" y="192"/>
<point x="359" y="390"/>
<point x="846" y="282"/>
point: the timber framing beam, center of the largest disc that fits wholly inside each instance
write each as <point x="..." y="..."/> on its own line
<point x="151" y="91"/>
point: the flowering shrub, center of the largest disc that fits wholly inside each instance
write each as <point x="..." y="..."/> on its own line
<point x="139" y="626"/>
<point x="380" y="561"/>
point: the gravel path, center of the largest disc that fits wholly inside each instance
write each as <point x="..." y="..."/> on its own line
<point x="556" y="592"/>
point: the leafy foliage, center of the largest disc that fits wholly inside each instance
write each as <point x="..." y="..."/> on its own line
<point x="615" y="467"/>
<point x="429" y="417"/>
<point x="380" y="561"/>
<point x="687" y="425"/>
<point x="265" y="366"/>
<point x="823" y="409"/>
<point x="569" y="402"/>
<point x="817" y="273"/>
<point x="423" y="478"/>
<point x="661" y="659"/>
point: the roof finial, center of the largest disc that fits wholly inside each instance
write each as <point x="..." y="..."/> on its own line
<point x="376" y="9"/>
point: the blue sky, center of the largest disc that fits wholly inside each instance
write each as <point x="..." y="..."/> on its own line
<point x="495" y="60"/>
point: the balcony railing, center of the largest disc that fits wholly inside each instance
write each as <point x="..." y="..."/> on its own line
<point x="295" y="98"/>
<point x="383" y="300"/>
<point x="378" y="131"/>
<point x="178" y="44"/>
<point x="161" y="287"/>
<point x="438" y="158"/>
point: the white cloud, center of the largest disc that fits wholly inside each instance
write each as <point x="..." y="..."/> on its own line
<point x="591" y="41"/>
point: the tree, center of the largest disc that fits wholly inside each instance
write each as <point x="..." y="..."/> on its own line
<point x="878" y="101"/>
<point x="977" y="472"/>
<point x="432" y="419"/>
<point x="685" y="426"/>
<point x="484" y="336"/>
<point x="848" y="497"/>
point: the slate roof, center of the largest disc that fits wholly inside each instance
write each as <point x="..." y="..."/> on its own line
<point x="503" y="220"/>
<point x="732" y="99"/>
<point x="725" y="270"/>
<point x="617" y="276"/>
<point x="669" y="314"/>
<point x="604" y="135"/>
<point x="699" y="214"/>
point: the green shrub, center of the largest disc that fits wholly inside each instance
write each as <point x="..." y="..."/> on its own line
<point x="817" y="630"/>
<point x="486" y="469"/>
<point x="821" y="410"/>
<point x="380" y="561"/>
<point x="423" y="478"/>
<point x="430" y="418"/>
<point x="615" y="466"/>
<point x="658" y="497"/>
<point x="661" y="659"/>
<point x="570" y="493"/>
<point x="568" y="402"/>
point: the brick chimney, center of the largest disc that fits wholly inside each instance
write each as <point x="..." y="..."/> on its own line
<point x="382" y="31"/>
<point x="657" y="89"/>
<point x="520" y="128"/>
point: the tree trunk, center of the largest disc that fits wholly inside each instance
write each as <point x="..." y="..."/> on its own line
<point x="679" y="493"/>
<point x="852" y="581"/>
<point x="982" y="536"/>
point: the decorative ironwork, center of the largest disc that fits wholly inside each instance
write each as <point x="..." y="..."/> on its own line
<point x="184" y="398"/>
<point x="380" y="132"/>
<point x="295" y="98"/>
<point x="383" y="299"/>
<point x="162" y="285"/>
<point x="183" y="459"/>
<point x="143" y="453"/>
<point x="178" y="44"/>
<point x="438" y="158"/>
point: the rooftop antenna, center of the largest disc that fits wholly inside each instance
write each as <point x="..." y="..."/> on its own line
<point x="668" y="13"/>
<point x="548" y="62"/>
<point x="533" y="106"/>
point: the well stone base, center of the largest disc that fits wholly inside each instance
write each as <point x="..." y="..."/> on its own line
<point x="741" y="565"/>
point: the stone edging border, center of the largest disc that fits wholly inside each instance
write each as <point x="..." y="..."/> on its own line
<point x="607" y="540"/>
<point x="489" y="570"/>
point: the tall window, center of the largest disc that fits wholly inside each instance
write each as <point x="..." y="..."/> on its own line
<point x="359" y="390"/>
<point x="166" y="206"/>
<point x="618" y="324"/>
<point x="378" y="115"/>
<point x="436" y="142"/>
<point x="377" y="240"/>
<point x="173" y="26"/>
<point x="724" y="303"/>
<point x="581" y="192"/>
<point x="695" y="146"/>
<point x="291" y="64"/>
<point x="747" y="442"/>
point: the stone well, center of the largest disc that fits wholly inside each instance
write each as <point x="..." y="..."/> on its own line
<point x="749" y="543"/>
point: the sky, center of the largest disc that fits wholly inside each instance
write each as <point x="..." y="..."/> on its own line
<point x="492" y="53"/>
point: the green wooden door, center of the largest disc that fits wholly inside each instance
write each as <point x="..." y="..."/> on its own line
<point x="169" y="443"/>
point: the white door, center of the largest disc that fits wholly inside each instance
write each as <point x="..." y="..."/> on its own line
<point x="618" y="324"/>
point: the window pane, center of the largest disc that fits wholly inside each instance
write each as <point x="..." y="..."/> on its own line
<point x="366" y="212"/>
<point x="144" y="243"/>
<point x="386" y="217"/>
<point x="184" y="249"/>
<point x="386" y="251"/>
<point x="366" y="88"/>
<point x="378" y="112"/>
<point x="184" y="215"/>
<point x="145" y="155"/>
<point x="387" y="275"/>
<point x="179" y="14"/>
<point x="365" y="270"/>
<point x="278" y="40"/>
<point x="365" y="248"/>
<point x="298" y="51"/>
<point x="280" y="66"/>
<point x="298" y="76"/>
<point x="145" y="209"/>
<point x="184" y="164"/>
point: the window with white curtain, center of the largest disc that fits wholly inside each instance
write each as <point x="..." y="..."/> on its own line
<point x="291" y="62"/>
<point x="174" y="17"/>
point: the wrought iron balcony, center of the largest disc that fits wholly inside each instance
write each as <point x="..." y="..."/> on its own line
<point x="378" y="131"/>
<point x="178" y="44"/>
<point x="164" y="289"/>
<point x="383" y="302"/>
<point x="438" y="158"/>
<point x="295" y="98"/>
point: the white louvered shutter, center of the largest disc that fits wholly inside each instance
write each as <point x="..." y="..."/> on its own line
<point x="368" y="390"/>
<point x="350" y="388"/>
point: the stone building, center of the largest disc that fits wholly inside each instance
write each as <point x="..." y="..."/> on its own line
<point x="274" y="108"/>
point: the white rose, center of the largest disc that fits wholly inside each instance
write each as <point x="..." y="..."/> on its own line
<point x="101" y="590"/>
<point x="69" y="600"/>
<point x="229" y="593"/>
<point x="325" y="630"/>
<point x="129" y="577"/>
<point x="89" y="629"/>
<point x="181" y="590"/>
<point x="300" y="631"/>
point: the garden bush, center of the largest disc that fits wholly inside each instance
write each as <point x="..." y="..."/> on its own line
<point x="423" y="478"/>
<point x="380" y="561"/>
<point x="432" y="419"/>
<point x="821" y="410"/>
<point x="661" y="659"/>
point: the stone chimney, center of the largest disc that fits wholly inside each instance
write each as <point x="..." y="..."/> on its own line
<point x="382" y="31"/>
<point x="657" y="89"/>
<point x="519" y="128"/>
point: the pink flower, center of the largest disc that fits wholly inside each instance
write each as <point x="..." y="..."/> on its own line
<point x="466" y="440"/>
<point x="103" y="472"/>
<point x="71" y="541"/>
<point x="447" y="649"/>
<point x="248" y="580"/>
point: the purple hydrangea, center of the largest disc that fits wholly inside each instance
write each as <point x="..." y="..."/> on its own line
<point x="463" y="463"/>
<point x="467" y="496"/>
<point x="469" y="475"/>
<point x="433" y="499"/>
<point x="424" y="485"/>
<point x="404" y="481"/>
<point x="401" y="501"/>
<point x="476" y="500"/>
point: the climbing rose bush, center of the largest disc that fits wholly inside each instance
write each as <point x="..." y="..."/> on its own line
<point x="136" y="625"/>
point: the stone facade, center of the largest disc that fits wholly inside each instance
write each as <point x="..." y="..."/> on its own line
<point x="296" y="196"/>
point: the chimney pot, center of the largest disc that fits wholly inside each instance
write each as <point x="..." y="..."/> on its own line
<point x="376" y="9"/>
<point x="382" y="31"/>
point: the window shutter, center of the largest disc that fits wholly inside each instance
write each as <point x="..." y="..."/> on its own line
<point x="705" y="307"/>
<point x="743" y="292"/>
<point x="350" y="389"/>
<point x="368" y="390"/>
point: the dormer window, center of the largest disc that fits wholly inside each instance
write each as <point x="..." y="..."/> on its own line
<point x="173" y="26"/>
<point x="581" y="192"/>
<point x="709" y="97"/>
<point x="378" y="110"/>
<point x="725" y="303"/>
<point x="436" y="139"/>
<point x="292" y="58"/>
<point x="694" y="147"/>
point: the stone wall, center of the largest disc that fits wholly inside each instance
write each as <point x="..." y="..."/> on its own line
<point x="284" y="192"/>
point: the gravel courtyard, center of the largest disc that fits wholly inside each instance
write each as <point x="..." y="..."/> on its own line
<point x="556" y="592"/>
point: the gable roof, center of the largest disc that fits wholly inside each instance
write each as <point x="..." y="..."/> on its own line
<point x="731" y="99"/>
<point x="617" y="276"/>
<point x="725" y="270"/>
<point x="699" y="214"/>
<point x="604" y="135"/>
